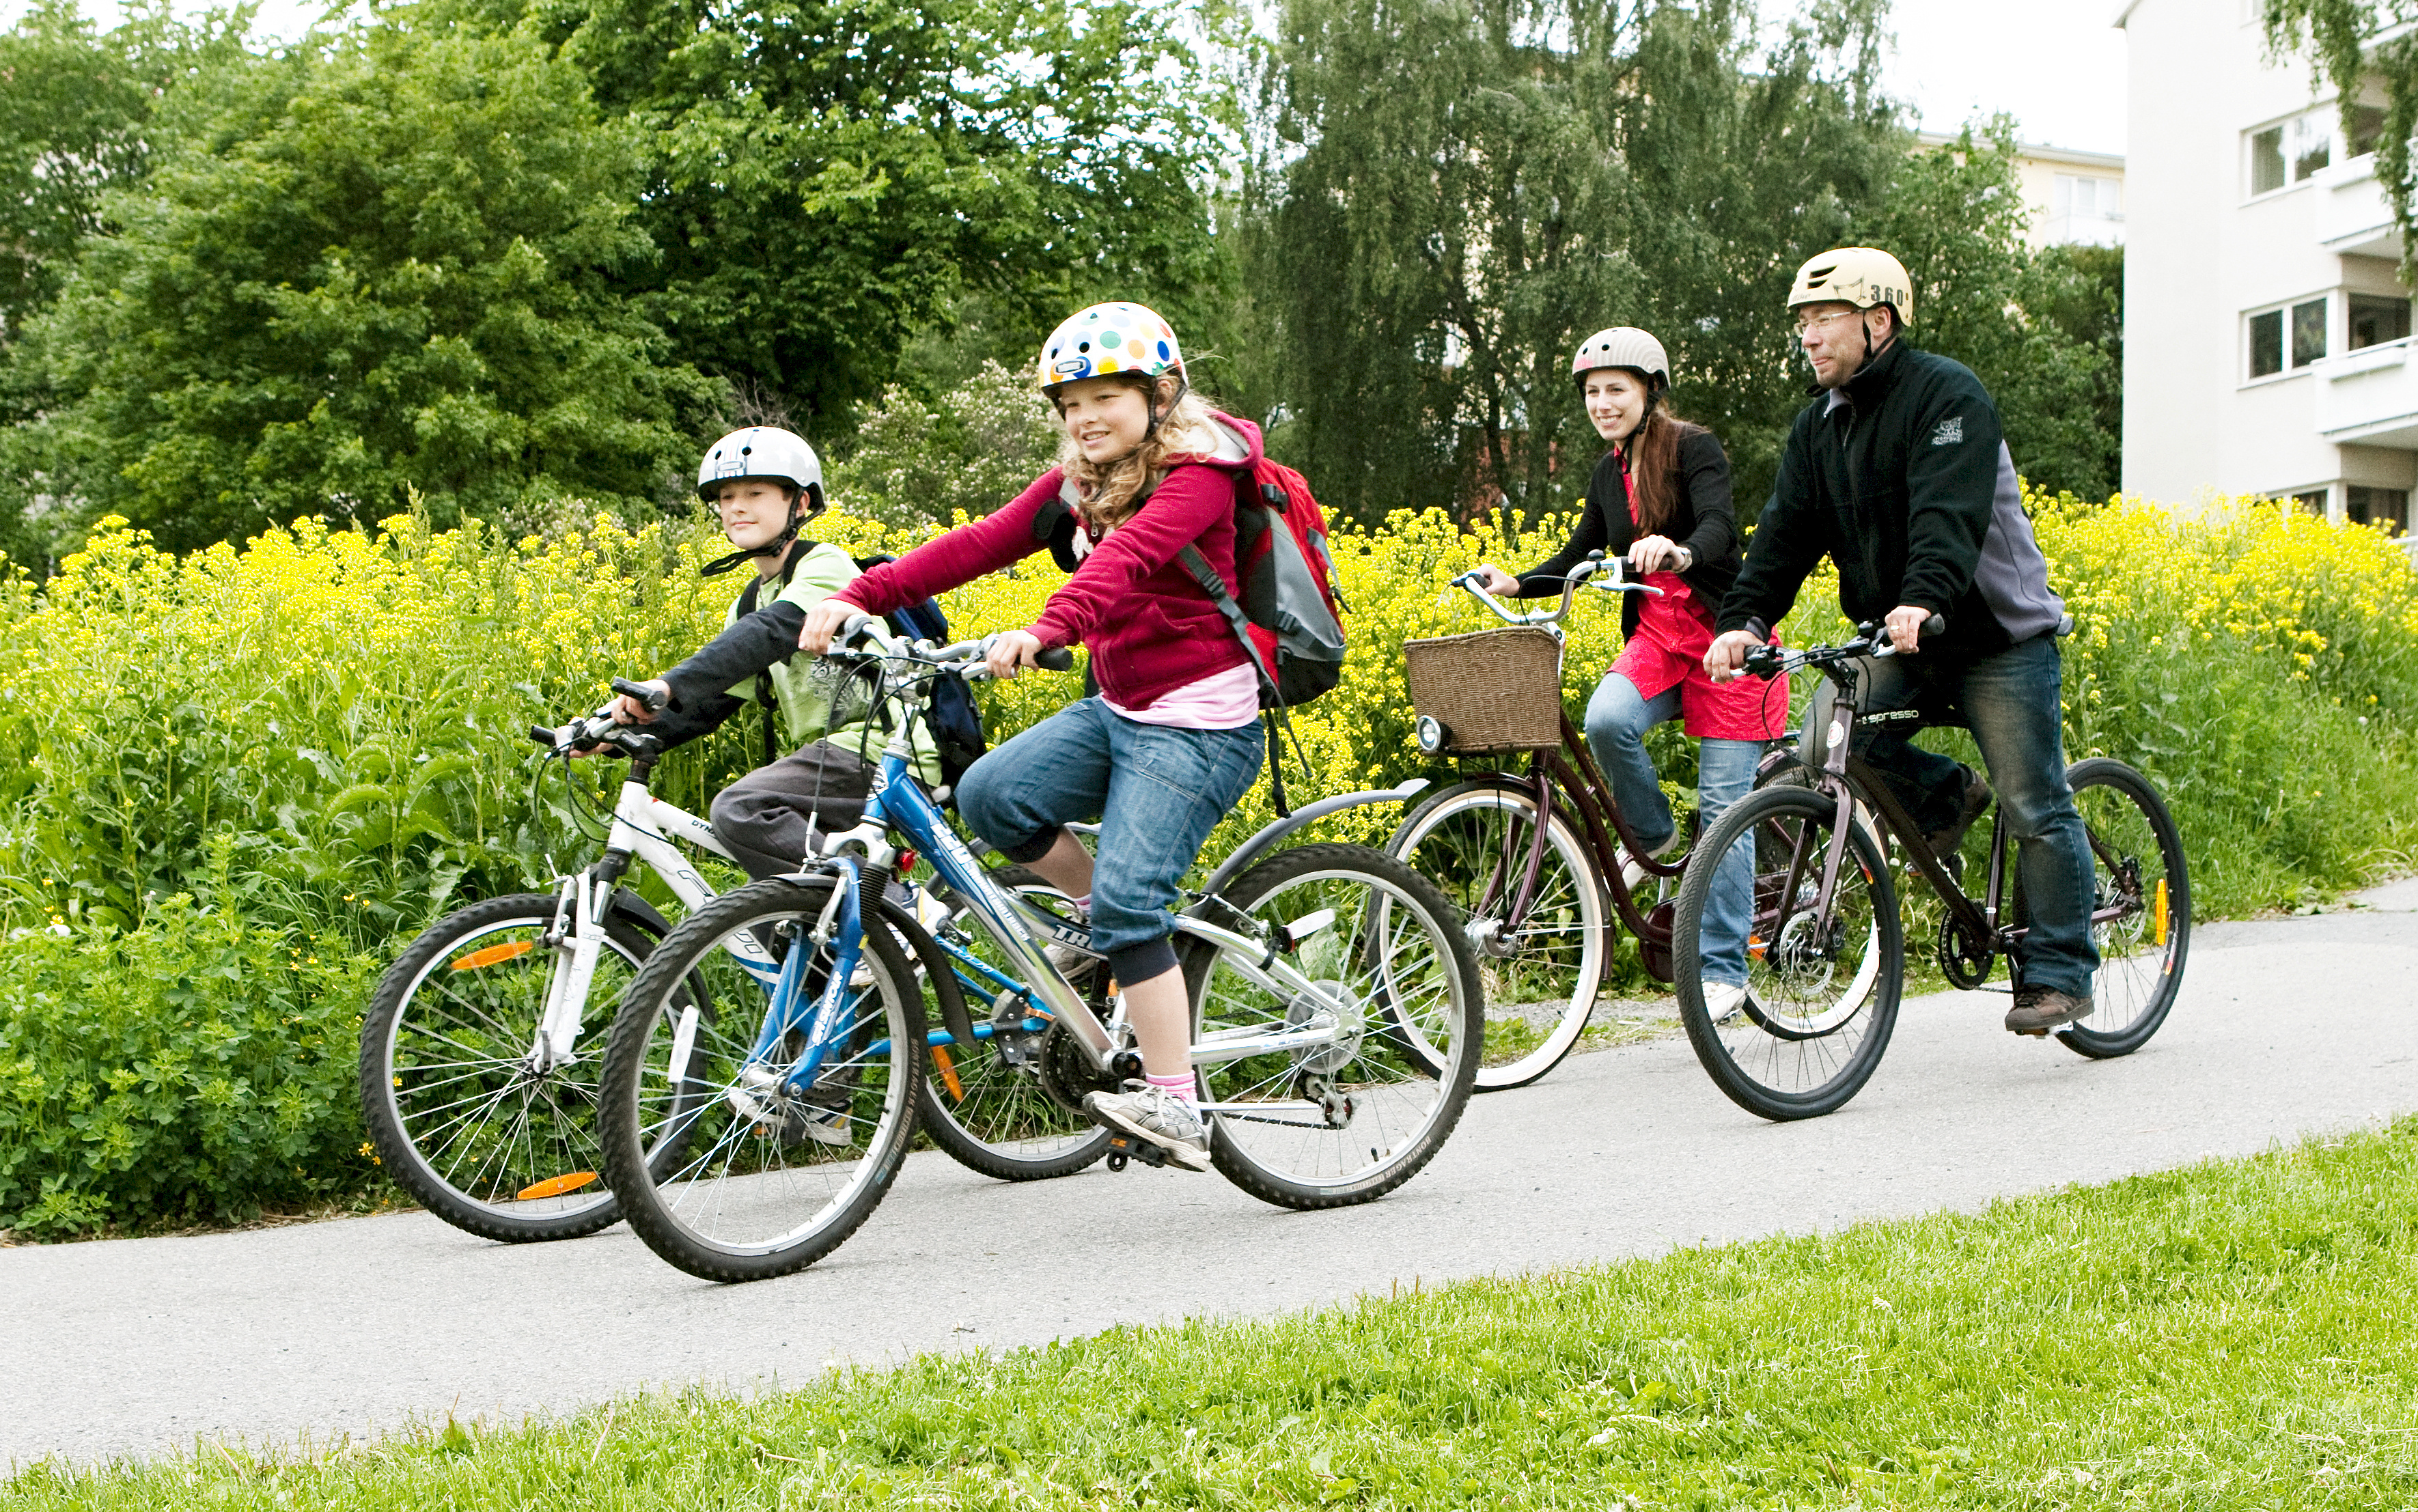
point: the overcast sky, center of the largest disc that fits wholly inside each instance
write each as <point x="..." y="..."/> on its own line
<point x="2056" y="65"/>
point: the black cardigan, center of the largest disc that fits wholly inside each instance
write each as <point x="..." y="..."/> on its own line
<point x="1705" y="523"/>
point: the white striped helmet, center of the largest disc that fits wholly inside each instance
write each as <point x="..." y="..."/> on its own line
<point x="765" y="452"/>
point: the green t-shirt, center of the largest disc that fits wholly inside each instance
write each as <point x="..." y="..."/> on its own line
<point x="803" y="685"/>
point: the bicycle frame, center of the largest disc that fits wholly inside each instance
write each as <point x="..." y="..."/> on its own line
<point x="898" y="802"/>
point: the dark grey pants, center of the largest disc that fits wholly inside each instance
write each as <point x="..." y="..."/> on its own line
<point x="762" y="816"/>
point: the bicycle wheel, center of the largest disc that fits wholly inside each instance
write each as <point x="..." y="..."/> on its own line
<point x="987" y="1104"/>
<point x="1352" y="1117"/>
<point x="1539" y="974"/>
<point x="460" y="1111"/>
<point x="1822" y="992"/>
<point x="722" y="1168"/>
<point x="2137" y="870"/>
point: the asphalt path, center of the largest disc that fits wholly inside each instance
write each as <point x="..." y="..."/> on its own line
<point x="2286" y="1027"/>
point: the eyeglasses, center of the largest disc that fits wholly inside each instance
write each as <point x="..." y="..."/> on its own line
<point x="1805" y="324"/>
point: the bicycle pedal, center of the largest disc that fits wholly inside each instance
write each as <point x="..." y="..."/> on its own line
<point x="1124" y="1147"/>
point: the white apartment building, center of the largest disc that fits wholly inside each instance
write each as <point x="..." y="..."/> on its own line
<point x="2266" y="329"/>
<point x="2069" y="196"/>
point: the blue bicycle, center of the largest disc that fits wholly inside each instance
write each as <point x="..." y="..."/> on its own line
<point x="753" y="1115"/>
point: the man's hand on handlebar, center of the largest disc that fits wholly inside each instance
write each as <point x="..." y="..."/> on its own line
<point x="826" y="619"/>
<point x="1726" y="658"/>
<point x="1905" y="626"/>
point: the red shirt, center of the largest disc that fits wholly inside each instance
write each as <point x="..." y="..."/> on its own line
<point x="1150" y="628"/>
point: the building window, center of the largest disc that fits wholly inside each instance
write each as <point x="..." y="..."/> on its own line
<point x="2375" y="321"/>
<point x="2267" y="160"/>
<point x="2312" y="502"/>
<point x="2308" y="333"/>
<point x="2387" y="507"/>
<point x="2293" y="151"/>
<point x="2073" y="194"/>
<point x="2305" y="325"/>
<point x="2367" y="129"/>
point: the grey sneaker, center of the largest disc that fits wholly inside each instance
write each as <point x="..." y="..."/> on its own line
<point x="1076" y="966"/>
<point x="2038" y="1010"/>
<point x="1146" y="1112"/>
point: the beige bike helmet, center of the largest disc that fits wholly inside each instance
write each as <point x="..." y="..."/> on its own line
<point x="1860" y="276"/>
<point x="1623" y="346"/>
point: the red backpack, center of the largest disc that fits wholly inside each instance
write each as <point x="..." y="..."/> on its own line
<point x="1290" y="618"/>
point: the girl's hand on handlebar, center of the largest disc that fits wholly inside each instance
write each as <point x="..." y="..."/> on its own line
<point x="1653" y="553"/>
<point x="1012" y="652"/>
<point x="1727" y="656"/>
<point x="823" y="621"/>
<point x="1496" y="581"/>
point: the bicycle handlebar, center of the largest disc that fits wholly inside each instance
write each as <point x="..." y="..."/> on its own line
<point x="1583" y="575"/>
<point x="1871" y="639"/>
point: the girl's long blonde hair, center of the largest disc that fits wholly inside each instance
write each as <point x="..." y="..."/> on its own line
<point x="1110" y="494"/>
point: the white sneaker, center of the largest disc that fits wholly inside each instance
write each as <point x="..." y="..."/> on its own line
<point x="1631" y="872"/>
<point x="1151" y="1113"/>
<point x="1723" y="1000"/>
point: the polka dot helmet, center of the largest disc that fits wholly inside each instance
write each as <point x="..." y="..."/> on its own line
<point x="1106" y="339"/>
<point x="1622" y="346"/>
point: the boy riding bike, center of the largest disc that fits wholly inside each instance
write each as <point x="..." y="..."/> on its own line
<point x="765" y="483"/>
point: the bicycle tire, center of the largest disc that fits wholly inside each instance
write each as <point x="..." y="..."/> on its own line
<point x="538" y="1175"/>
<point x="986" y="1105"/>
<point x="2131" y="998"/>
<point x="1797" y="1007"/>
<point x="1396" y="949"/>
<point x="1457" y="839"/>
<point x="731" y="1211"/>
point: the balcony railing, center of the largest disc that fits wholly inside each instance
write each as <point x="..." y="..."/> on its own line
<point x="2369" y="397"/>
<point x="2354" y="219"/>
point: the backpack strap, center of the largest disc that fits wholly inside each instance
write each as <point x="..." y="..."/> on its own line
<point x="1270" y="699"/>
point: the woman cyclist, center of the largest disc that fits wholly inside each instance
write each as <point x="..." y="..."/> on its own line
<point x="1660" y="498"/>
<point x="1171" y="741"/>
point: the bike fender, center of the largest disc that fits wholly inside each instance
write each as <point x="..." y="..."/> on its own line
<point x="639" y="911"/>
<point x="935" y="962"/>
<point x="1262" y="843"/>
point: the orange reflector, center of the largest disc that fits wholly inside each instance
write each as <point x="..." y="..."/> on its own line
<point x="1755" y="947"/>
<point x="512" y="951"/>
<point x="948" y="1073"/>
<point x="2158" y="911"/>
<point x="556" y="1185"/>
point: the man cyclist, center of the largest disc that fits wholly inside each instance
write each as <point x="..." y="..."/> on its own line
<point x="1898" y="472"/>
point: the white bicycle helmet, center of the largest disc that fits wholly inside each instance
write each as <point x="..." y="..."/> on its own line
<point x="762" y="453"/>
<point x="1622" y="346"/>
<point x="1860" y="276"/>
<point x="1106" y="339"/>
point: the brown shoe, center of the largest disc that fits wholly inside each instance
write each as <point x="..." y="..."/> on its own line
<point x="1945" y="844"/>
<point x="2038" y="1010"/>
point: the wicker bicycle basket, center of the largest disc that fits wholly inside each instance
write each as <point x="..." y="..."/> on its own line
<point x="1493" y="690"/>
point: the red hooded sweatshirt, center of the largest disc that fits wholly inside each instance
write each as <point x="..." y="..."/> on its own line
<point x="1150" y="628"/>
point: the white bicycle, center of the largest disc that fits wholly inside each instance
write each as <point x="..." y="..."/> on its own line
<point x="478" y="1089"/>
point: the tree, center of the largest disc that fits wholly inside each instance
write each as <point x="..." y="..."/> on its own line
<point x="972" y="449"/>
<point x="2339" y="36"/>
<point x="1954" y="216"/>
<point x="389" y="259"/>
<point x="1455" y="192"/>
<point x="827" y="179"/>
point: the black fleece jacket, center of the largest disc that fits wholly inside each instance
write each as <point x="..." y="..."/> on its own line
<point x="1705" y="522"/>
<point x="1894" y="476"/>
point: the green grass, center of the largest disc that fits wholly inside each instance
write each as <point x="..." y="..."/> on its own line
<point x="2238" y="1334"/>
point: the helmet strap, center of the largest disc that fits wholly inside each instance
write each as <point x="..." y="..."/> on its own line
<point x="1150" y="397"/>
<point x="778" y="545"/>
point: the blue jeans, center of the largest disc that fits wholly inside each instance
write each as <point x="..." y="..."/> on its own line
<point x="1618" y="719"/>
<point x="1157" y="791"/>
<point x="2010" y="702"/>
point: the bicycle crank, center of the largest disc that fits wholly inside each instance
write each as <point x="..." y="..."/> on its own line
<point x="1964" y="967"/>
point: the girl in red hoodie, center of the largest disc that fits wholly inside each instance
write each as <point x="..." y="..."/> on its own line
<point x="1171" y="741"/>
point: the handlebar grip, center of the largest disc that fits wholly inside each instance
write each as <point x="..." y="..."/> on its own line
<point x="1764" y="661"/>
<point x="1936" y="625"/>
<point x="653" y="700"/>
<point x="1054" y="659"/>
<point x="849" y="628"/>
<point x="545" y="736"/>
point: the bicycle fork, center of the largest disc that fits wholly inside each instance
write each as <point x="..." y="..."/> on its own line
<point x="577" y="934"/>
